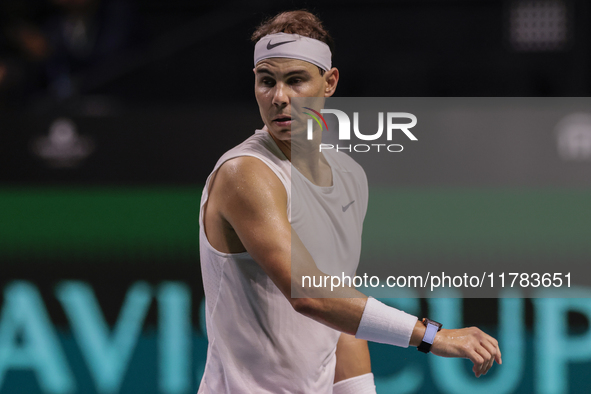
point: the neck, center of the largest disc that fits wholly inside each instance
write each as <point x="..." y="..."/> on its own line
<point x="306" y="157"/>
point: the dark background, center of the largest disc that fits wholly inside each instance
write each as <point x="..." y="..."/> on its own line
<point x="186" y="67"/>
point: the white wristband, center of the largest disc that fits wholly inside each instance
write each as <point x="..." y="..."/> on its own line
<point x="362" y="384"/>
<point x="384" y="324"/>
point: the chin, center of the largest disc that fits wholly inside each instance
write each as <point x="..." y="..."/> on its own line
<point x="283" y="135"/>
<point x="280" y="134"/>
<point x="276" y="130"/>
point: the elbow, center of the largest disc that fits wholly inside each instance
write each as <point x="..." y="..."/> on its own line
<point x="306" y="306"/>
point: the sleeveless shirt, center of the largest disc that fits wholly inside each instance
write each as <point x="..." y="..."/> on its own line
<point x="257" y="342"/>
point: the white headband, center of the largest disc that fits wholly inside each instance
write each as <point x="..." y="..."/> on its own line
<point x="293" y="46"/>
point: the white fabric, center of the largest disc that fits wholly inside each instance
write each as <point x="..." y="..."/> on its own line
<point x="362" y="384"/>
<point x="293" y="46"/>
<point x="384" y="324"/>
<point x="257" y="342"/>
<point x="331" y="234"/>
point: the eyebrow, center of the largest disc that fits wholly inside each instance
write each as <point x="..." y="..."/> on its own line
<point x="289" y="74"/>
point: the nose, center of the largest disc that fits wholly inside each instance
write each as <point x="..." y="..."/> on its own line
<point x="280" y="97"/>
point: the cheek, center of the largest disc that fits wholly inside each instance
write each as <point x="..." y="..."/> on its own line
<point x="260" y="95"/>
<point x="264" y="102"/>
<point x="262" y="92"/>
<point x="312" y="89"/>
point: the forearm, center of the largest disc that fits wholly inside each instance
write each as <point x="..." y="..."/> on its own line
<point x="349" y="311"/>
<point x="341" y="314"/>
<point x="342" y="308"/>
<point x="378" y="322"/>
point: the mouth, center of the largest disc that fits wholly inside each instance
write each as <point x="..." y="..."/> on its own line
<point x="282" y="120"/>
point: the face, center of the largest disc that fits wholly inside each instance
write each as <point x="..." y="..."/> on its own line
<point x="277" y="80"/>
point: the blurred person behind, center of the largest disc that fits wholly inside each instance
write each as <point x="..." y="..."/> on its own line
<point x="23" y="50"/>
<point x="83" y="34"/>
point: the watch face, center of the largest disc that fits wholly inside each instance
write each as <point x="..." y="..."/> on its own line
<point x="427" y="321"/>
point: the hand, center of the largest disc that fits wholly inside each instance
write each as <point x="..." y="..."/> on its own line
<point x="471" y="343"/>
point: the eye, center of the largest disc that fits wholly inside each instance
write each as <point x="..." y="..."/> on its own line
<point x="295" y="80"/>
<point x="267" y="82"/>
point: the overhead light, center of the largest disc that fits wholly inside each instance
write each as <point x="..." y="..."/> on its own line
<point x="537" y="26"/>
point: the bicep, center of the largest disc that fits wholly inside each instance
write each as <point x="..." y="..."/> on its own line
<point x="255" y="205"/>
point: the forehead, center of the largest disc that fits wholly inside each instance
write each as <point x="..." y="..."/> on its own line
<point x="282" y="65"/>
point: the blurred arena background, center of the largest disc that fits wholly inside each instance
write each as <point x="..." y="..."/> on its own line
<point x="113" y="113"/>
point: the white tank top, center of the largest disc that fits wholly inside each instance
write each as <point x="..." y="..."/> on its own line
<point x="257" y="342"/>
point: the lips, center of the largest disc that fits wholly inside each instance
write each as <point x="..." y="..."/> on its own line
<point x="282" y="118"/>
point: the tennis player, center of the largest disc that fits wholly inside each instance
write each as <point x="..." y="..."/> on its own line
<point x="261" y="339"/>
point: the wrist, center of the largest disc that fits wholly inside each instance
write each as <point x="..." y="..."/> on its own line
<point x="417" y="334"/>
<point x="384" y="324"/>
<point x="431" y="329"/>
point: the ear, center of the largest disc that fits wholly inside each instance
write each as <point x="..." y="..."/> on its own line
<point x="331" y="79"/>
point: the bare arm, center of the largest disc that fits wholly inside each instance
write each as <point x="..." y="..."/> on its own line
<point x="252" y="201"/>
<point x="352" y="358"/>
<point x="250" y="197"/>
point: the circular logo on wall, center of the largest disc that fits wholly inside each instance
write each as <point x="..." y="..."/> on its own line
<point x="574" y="137"/>
<point x="63" y="147"/>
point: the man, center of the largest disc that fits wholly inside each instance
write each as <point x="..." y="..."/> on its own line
<point x="261" y="338"/>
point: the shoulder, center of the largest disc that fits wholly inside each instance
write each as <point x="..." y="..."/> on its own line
<point x="247" y="179"/>
<point x="247" y="170"/>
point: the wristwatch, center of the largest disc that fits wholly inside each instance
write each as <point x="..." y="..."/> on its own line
<point x="432" y="328"/>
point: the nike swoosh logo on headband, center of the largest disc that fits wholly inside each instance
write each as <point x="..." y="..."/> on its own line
<point x="271" y="46"/>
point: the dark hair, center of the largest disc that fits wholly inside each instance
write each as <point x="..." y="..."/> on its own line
<point x="300" y="22"/>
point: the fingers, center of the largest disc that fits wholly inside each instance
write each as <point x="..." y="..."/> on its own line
<point x="482" y="360"/>
<point x="498" y="356"/>
<point x="486" y="366"/>
<point x="492" y="345"/>
<point x="492" y="349"/>
<point x="484" y="352"/>
<point x="478" y="361"/>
